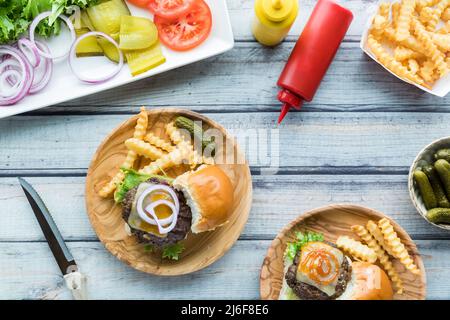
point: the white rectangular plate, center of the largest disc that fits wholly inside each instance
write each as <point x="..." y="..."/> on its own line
<point x="64" y="86"/>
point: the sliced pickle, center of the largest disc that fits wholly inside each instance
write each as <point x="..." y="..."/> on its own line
<point x="88" y="47"/>
<point x="85" y="21"/>
<point x="143" y="60"/>
<point x="106" y="16"/>
<point x="137" y="33"/>
<point x="109" y="49"/>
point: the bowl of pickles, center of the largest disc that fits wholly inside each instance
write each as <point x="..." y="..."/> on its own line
<point x="429" y="183"/>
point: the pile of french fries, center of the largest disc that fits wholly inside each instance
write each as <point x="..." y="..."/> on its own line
<point x="412" y="39"/>
<point x="162" y="154"/>
<point x="381" y="243"/>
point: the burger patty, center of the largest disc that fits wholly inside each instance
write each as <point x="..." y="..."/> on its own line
<point x="178" y="233"/>
<point x="308" y="292"/>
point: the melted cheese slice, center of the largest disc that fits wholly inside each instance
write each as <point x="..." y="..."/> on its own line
<point x="162" y="212"/>
<point x="313" y="247"/>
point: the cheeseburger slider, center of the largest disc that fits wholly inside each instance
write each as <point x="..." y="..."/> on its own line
<point x="160" y="211"/>
<point x="318" y="270"/>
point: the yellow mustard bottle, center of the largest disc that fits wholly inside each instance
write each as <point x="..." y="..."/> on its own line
<point x="273" y="19"/>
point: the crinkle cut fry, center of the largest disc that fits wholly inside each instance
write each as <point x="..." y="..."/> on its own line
<point x="409" y="42"/>
<point x="441" y="40"/>
<point x="437" y="13"/>
<point x="158" y="142"/>
<point x="446" y="15"/>
<point x="431" y="49"/>
<point x="427" y="71"/>
<point x="402" y="53"/>
<point x="356" y="249"/>
<point x="390" y="63"/>
<point x="395" y="13"/>
<point x="404" y="19"/>
<point x="144" y="149"/>
<point x="139" y="132"/>
<point x="181" y="153"/>
<point x="375" y="231"/>
<point x="364" y="234"/>
<point x="175" y="134"/>
<point x="391" y="237"/>
<point x="413" y="66"/>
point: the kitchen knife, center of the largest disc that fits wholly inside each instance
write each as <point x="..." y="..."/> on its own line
<point x="75" y="281"/>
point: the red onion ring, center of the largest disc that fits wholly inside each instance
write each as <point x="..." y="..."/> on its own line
<point x="151" y="210"/>
<point x="43" y="16"/>
<point x="5" y="78"/>
<point x="22" y="86"/>
<point x="47" y="64"/>
<point x="30" y="51"/>
<point x="72" y="56"/>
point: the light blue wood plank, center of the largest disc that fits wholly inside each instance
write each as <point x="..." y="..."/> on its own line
<point x="309" y="139"/>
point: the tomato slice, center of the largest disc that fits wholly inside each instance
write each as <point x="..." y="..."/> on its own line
<point x="187" y="31"/>
<point x="139" y="3"/>
<point x="169" y="9"/>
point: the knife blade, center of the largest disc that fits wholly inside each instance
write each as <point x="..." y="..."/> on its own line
<point x="67" y="264"/>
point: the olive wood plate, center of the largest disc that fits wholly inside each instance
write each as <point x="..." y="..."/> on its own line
<point x="333" y="221"/>
<point x="105" y="215"/>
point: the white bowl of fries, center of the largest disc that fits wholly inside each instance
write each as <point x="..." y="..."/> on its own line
<point x="411" y="39"/>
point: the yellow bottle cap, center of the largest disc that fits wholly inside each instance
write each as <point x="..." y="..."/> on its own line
<point x="278" y="10"/>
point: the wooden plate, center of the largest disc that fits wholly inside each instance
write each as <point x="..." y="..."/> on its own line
<point x="333" y="221"/>
<point x="106" y="216"/>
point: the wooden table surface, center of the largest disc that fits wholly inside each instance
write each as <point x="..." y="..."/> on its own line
<point x="354" y="143"/>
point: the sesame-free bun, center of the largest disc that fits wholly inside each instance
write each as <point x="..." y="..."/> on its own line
<point x="371" y="283"/>
<point x="209" y="194"/>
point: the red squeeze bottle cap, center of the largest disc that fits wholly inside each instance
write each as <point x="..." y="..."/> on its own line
<point x="290" y="100"/>
<point x="313" y="54"/>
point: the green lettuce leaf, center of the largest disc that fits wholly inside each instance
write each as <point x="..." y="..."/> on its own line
<point x="17" y="15"/>
<point x="131" y="180"/>
<point x="61" y="6"/>
<point x="301" y="239"/>
<point x="173" y="252"/>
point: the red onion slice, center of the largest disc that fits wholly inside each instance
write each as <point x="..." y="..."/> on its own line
<point x="30" y="51"/>
<point x="43" y="16"/>
<point x="46" y="74"/>
<point x="5" y="80"/>
<point x="72" y="56"/>
<point x="20" y="89"/>
<point x="150" y="209"/>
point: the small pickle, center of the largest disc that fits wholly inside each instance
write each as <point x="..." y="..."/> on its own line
<point x="443" y="168"/>
<point x="140" y="61"/>
<point x="106" y="16"/>
<point x="137" y="33"/>
<point x="439" y="192"/>
<point x="109" y="49"/>
<point x="88" y="47"/>
<point x="439" y="215"/>
<point x="85" y="21"/>
<point x="443" y="154"/>
<point x="426" y="191"/>
<point x="195" y="131"/>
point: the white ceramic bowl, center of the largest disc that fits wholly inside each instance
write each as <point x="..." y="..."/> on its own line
<point x="425" y="155"/>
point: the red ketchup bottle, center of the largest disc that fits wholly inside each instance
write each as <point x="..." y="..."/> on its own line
<point x="312" y="55"/>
